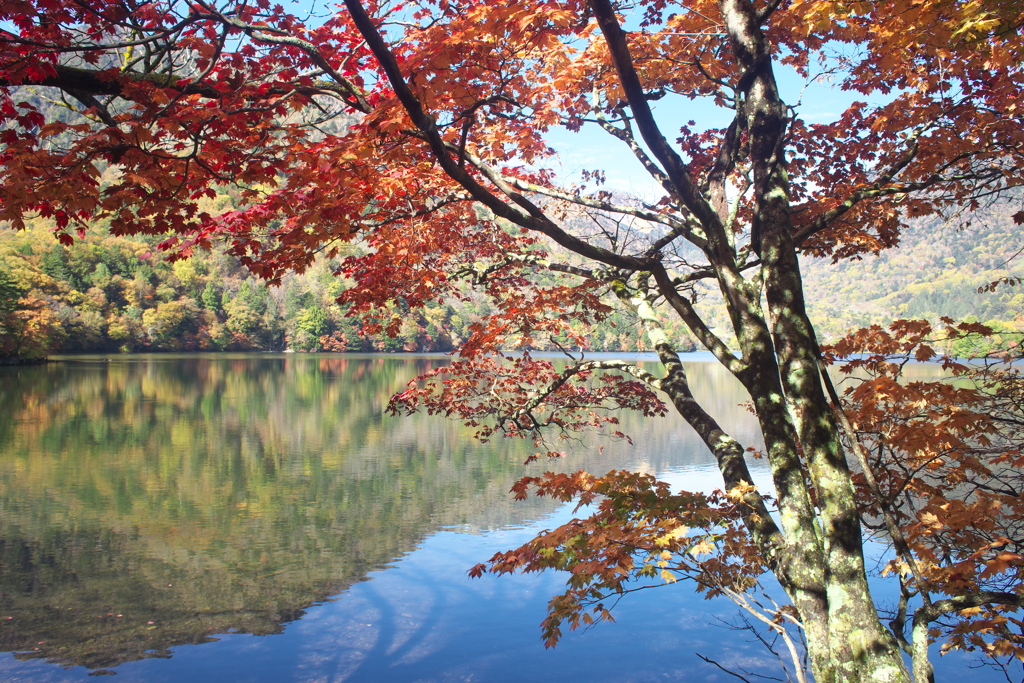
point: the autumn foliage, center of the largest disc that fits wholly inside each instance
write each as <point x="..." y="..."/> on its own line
<point x="418" y="132"/>
<point x="945" y="461"/>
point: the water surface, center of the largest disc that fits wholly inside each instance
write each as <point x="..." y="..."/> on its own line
<point x="260" y="517"/>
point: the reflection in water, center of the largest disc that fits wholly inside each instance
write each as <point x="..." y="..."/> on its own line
<point x="152" y="501"/>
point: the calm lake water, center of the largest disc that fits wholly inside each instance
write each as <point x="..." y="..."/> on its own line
<point x="260" y="517"/>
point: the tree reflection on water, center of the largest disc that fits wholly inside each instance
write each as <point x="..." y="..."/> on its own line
<point x="154" y="501"/>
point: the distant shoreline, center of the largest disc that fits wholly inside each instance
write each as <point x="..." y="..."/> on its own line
<point x="25" y="361"/>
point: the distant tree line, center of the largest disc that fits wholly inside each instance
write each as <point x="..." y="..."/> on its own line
<point x="106" y="294"/>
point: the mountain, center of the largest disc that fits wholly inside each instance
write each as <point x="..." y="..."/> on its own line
<point x="937" y="270"/>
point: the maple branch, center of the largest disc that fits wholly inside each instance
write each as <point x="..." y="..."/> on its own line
<point x="675" y="168"/>
<point x="480" y="274"/>
<point x="427" y="209"/>
<point x="774" y="624"/>
<point x="529" y="216"/>
<point x="706" y="273"/>
<point x="96" y="82"/>
<point x="879" y="188"/>
<point x="546" y="225"/>
<point x="766" y="12"/>
<point x="574" y="270"/>
<point x="679" y="228"/>
<point x="541" y="222"/>
<point x="155" y="35"/>
<point x="260" y="33"/>
<point x="876" y="189"/>
<point x="927" y="614"/>
<point x="728" y="671"/>
<point x="526" y="410"/>
<point x="669" y="237"/>
<point x="721" y="83"/>
<point x="686" y="311"/>
<point x="89" y="82"/>
<point x="468" y="117"/>
<point x="625" y="134"/>
<point x="727" y="451"/>
<point x="92" y="103"/>
<point x="218" y="50"/>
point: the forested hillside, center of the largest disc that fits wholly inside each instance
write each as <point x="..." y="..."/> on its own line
<point x="118" y="294"/>
<point x="937" y="270"/>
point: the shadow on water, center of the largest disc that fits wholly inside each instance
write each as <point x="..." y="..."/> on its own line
<point x="398" y="638"/>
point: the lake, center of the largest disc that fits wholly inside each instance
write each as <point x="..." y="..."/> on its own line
<point x="253" y="517"/>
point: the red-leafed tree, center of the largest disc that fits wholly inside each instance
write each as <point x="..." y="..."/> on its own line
<point x="417" y="130"/>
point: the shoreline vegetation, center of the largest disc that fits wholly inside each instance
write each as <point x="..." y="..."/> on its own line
<point x="14" y="361"/>
<point x="107" y="294"/>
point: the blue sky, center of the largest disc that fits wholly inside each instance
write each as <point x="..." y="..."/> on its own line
<point x="819" y="102"/>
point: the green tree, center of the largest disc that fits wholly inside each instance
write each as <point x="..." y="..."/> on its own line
<point x="211" y="301"/>
<point x="172" y="325"/>
<point x="54" y="264"/>
<point x="10" y="293"/>
<point x="310" y="324"/>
